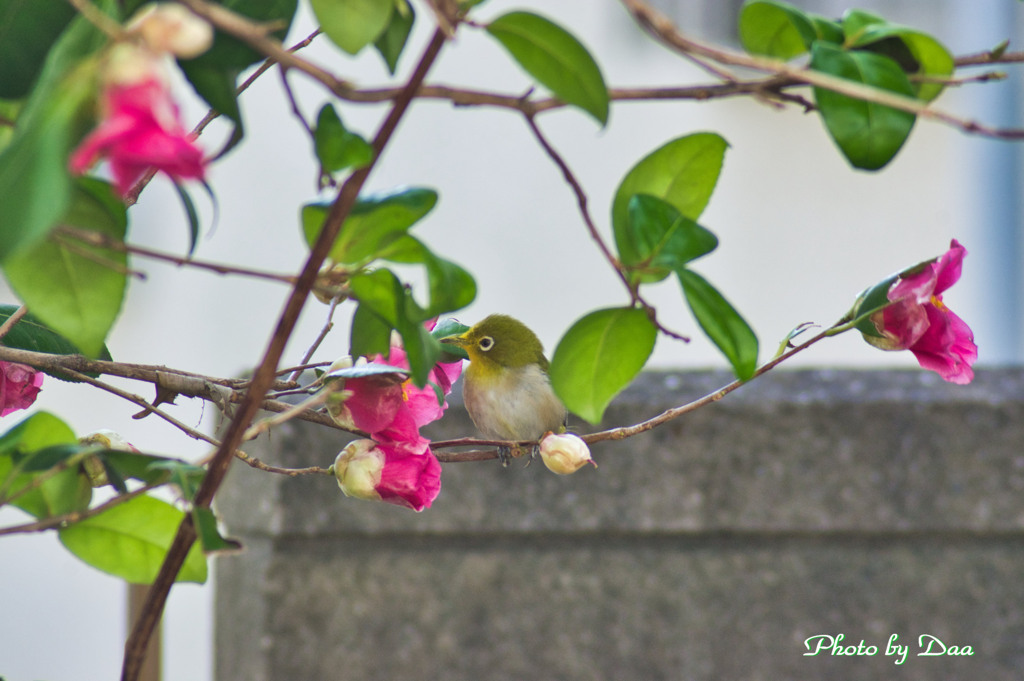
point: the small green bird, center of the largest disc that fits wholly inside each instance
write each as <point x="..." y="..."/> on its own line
<point x="507" y="390"/>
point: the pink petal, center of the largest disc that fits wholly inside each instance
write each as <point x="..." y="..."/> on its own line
<point x="949" y="266"/>
<point x="412" y="481"/>
<point x="19" y="387"/>
<point x="948" y="347"/>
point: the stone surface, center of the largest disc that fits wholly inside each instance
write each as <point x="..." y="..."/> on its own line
<point x="832" y="502"/>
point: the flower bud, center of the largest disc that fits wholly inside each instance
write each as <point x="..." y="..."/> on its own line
<point x="93" y="467"/>
<point x="358" y="469"/>
<point x="564" y="454"/>
<point x="170" y="27"/>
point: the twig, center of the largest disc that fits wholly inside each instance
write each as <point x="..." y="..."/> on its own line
<point x="97" y="18"/>
<point x="661" y="28"/>
<point x="12" y="320"/>
<point x="290" y="472"/>
<point x="77" y="516"/>
<point x="581" y="200"/>
<point x="138" y="639"/>
<point x="106" y="241"/>
<point x="328" y="325"/>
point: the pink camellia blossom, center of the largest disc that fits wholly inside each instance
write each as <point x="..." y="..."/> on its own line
<point x="140" y="129"/>
<point x="380" y="472"/>
<point x="918" y="320"/>
<point x="19" y="386"/>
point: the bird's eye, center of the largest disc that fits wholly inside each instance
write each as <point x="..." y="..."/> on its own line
<point x="486" y="343"/>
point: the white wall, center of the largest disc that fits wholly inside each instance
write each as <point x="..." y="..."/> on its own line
<point x="800" y="234"/>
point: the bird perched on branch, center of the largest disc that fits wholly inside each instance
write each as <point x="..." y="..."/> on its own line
<point x="507" y="390"/>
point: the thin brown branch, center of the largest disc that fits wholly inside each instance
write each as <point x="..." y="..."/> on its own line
<point x="15" y="317"/>
<point x="290" y="472"/>
<point x="663" y="30"/>
<point x="265" y="373"/>
<point x="66" y="519"/>
<point x="624" y="432"/>
<point x="106" y="241"/>
<point x="581" y="200"/>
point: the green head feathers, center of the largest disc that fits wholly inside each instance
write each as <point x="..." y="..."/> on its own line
<point x="502" y="341"/>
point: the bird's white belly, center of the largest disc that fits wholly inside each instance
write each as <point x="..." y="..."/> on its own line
<point x="517" y="406"/>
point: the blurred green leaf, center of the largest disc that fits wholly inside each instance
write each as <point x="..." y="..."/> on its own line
<point x="599" y="356"/>
<point x="392" y="41"/>
<point x="555" y="58"/>
<point x="31" y="334"/>
<point x="47" y="128"/>
<point x="682" y="172"/>
<point x="131" y="540"/>
<point x="374" y="221"/>
<point x="74" y="288"/>
<point x="721" y="323"/>
<point x="916" y="52"/>
<point x="336" y="147"/>
<point x="868" y="134"/>
<point x="775" y="29"/>
<point x="209" y="534"/>
<point x="383" y="294"/>
<point x="30" y="449"/>
<point x="353" y="24"/>
<point x="370" y="334"/>
<point x="663" y="239"/>
<point x="450" y="327"/>
<point x="26" y="36"/>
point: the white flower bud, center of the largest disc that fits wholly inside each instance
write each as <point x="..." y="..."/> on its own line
<point x="564" y="454"/>
<point x="358" y="469"/>
<point x="170" y="27"/>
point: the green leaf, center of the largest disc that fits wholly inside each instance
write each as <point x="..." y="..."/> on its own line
<point x="555" y="58"/>
<point x="353" y="24"/>
<point x="775" y="29"/>
<point x="26" y="35"/>
<point x="31" y="334"/>
<point x="131" y="540"/>
<point x="49" y="125"/>
<point x="336" y="147"/>
<point x="374" y="221"/>
<point x="392" y="41"/>
<point x="191" y="214"/>
<point x="34" y="445"/>
<point x="868" y="134"/>
<point x="76" y="289"/>
<point x="663" y="239"/>
<point x="370" y="334"/>
<point x="209" y="534"/>
<point x="451" y="287"/>
<point x="217" y="86"/>
<point x="364" y="370"/>
<point x="450" y="327"/>
<point x="682" y="172"/>
<point x="916" y="52"/>
<point x="721" y="322"/>
<point x="599" y="356"/>
<point x="383" y="294"/>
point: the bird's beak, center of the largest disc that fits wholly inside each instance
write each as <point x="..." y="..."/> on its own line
<point x="457" y="341"/>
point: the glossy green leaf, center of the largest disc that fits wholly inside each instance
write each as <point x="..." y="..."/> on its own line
<point x="217" y="85"/>
<point x="336" y="147"/>
<point x="370" y="334"/>
<point x="662" y="239"/>
<point x="31" y="334"/>
<point x="721" y="323"/>
<point x="599" y="356"/>
<point x="31" y="448"/>
<point x="353" y="24"/>
<point x="374" y="221"/>
<point x="47" y="128"/>
<point x="383" y="294"/>
<point x="555" y="58"/>
<point x="775" y="29"/>
<point x="74" y="288"/>
<point x="392" y="41"/>
<point x="451" y="287"/>
<point x="868" y="134"/>
<point x="364" y="370"/>
<point x="26" y="35"/>
<point x="682" y="172"/>
<point x="131" y="541"/>
<point x="916" y="52"/>
<point x="450" y="327"/>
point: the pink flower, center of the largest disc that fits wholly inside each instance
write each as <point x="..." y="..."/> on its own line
<point x="918" y="320"/>
<point x="141" y="129"/>
<point x="380" y="472"/>
<point x="19" y="386"/>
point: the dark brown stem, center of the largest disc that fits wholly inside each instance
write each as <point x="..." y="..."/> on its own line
<point x="265" y="373"/>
